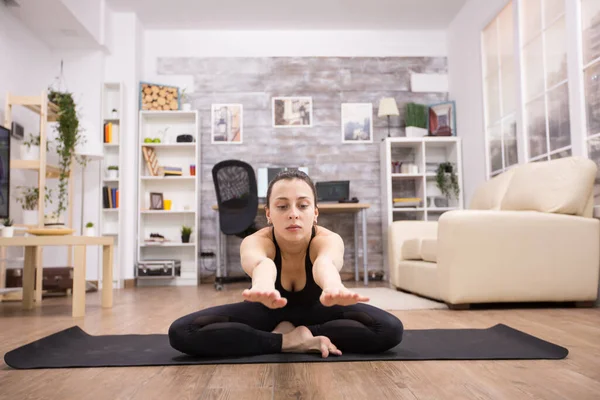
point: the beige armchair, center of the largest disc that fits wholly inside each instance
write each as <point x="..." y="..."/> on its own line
<point x="528" y="236"/>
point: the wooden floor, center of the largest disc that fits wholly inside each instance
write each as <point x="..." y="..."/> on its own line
<point x="151" y="310"/>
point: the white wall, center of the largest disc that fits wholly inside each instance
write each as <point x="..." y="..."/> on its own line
<point x="91" y="14"/>
<point x="27" y="69"/>
<point x="465" y="85"/>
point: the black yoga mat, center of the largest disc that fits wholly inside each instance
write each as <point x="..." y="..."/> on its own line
<point x="73" y="347"/>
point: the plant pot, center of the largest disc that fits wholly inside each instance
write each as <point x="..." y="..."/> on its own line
<point x="185" y="238"/>
<point x="89" y="231"/>
<point x="186" y="107"/>
<point x="8" y="231"/>
<point x="413" y="131"/>
<point x="53" y="220"/>
<point x="30" y="217"/>
<point x="112" y="174"/>
<point x="30" y="152"/>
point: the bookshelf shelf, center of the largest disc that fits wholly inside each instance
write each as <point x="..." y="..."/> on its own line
<point x="180" y="190"/>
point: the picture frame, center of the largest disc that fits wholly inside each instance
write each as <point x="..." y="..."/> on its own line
<point x="156" y="201"/>
<point x="441" y="119"/>
<point x="357" y="122"/>
<point x="292" y="112"/>
<point x="227" y="123"/>
<point x="158" y="97"/>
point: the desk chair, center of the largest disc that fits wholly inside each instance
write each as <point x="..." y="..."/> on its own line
<point x="237" y="199"/>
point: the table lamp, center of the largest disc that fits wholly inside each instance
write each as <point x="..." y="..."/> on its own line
<point x="89" y="148"/>
<point x="387" y="108"/>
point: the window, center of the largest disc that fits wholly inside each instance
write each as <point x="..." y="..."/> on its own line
<point x="545" y="84"/>
<point x="500" y="91"/>
<point x="590" y="25"/>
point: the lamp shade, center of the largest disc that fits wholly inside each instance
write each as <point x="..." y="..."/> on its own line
<point x="89" y="144"/>
<point x="387" y="106"/>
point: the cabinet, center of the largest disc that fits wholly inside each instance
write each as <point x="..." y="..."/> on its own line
<point x="110" y="172"/>
<point x="408" y="179"/>
<point x="168" y="193"/>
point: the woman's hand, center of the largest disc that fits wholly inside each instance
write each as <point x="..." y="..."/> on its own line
<point x="340" y="295"/>
<point x="270" y="297"/>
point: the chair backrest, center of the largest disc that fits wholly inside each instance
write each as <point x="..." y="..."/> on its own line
<point x="237" y="195"/>
<point x="564" y="186"/>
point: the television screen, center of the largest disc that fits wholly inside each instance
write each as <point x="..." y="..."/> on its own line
<point x="4" y="172"/>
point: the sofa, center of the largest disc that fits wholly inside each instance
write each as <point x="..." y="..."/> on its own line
<point x="528" y="235"/>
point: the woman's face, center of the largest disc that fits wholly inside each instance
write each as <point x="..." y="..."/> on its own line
<point x="292" y="209"/>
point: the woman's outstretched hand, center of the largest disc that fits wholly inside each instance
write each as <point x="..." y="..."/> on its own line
<point x="270" y="297"/>
<point x="340" y="296"/>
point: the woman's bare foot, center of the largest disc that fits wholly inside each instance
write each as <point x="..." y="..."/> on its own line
<point x="284" y="327"/>
<point x="301" y="340"/>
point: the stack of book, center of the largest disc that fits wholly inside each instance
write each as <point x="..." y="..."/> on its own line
<point x="110" y="197"/>
<point x="407" y="202"/>
<point x="170" y="171"/>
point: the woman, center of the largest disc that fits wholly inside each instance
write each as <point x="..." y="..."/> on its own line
<point x="297" y="302"/>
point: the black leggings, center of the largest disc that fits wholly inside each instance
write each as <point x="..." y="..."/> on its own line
<point x="244" y="329"/>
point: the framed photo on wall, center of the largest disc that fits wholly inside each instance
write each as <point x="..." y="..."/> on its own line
<point x="357" y="123"/>
<point x="292" y="112"/>
<point x="227" y="123"/>
<point x="442" y="119"/>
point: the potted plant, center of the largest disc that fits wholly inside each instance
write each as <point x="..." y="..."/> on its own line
<point x="112" y="172"/>
<point x="114" y="113"/>
<point x="89" y="229"/>
<point x="30" y="149"/>
<point x="68" y="136"/>
<point x="447" y="181"/>
<point x="8" y="230"/>
<point x="186" y="232"/>
<point x="185" y="105"/>
<point x="416" y="120"/>
<point x="29" y="199"/>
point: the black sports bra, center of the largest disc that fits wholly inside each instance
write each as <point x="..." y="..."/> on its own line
<point x="311" y="292"/>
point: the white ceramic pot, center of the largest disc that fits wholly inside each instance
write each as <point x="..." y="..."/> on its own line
<point x="89" y="231"/>
<point x="186" y="107"/>
<point x="30" y="217"/>
<point x="30" y="152"/>
<point x="112" y="174"/>
<point x="8" y="231"/>
<point x="413" y="131"/>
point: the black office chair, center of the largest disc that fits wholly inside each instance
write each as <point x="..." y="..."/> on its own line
<point x="237" y="199"/>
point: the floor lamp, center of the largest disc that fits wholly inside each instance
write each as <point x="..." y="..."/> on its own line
<point x="89" y="149"/>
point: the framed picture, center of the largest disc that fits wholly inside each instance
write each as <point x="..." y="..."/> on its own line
<point x="227" y="123"/>
<point x="155" y="96"/>
<point x="156" y="201"/>
<point x="442" y="119"/>
<point x="357" y="123"/>
<point x="292" y="112"/>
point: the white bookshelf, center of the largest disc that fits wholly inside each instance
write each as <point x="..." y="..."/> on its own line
<point x="426" y="153"/>
<point x="110" y="223"/>
<point x="183" y="191"/>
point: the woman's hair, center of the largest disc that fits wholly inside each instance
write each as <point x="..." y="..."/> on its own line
<point x="289" y="175"/>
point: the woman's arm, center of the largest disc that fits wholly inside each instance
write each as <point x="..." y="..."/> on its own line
<point x="329" y="259"/>
<point x="256" y="255"/>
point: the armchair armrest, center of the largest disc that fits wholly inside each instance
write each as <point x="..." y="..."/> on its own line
<point x="494" y="256"/>
<point x="400" y="231"/>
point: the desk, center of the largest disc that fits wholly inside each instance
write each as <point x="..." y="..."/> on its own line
<point x="360" y="216"/>
<point x="32" y="245"/>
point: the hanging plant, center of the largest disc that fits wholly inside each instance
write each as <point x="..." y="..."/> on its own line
<point x="447" y="181"/>
<point x="68" y="137"/>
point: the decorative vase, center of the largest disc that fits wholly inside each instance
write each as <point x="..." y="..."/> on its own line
<point x="89" y="231"/>
<point x="30" y="217"/>
<point x="8" y="231"/>
<point x="114" y="114"/>
<point x="112" y="174"/>
<point x="30" y="152"/>
<point x="185" y="238"/>
<point x="413" y="131"/>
